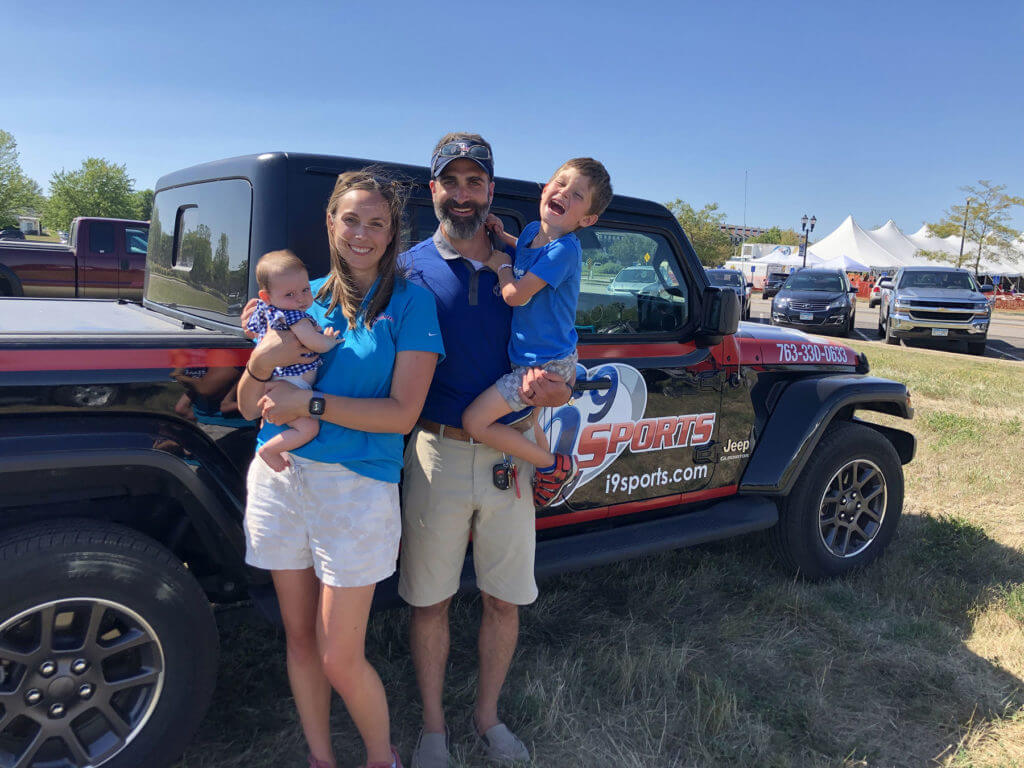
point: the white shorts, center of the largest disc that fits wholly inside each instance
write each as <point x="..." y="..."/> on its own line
<point x="317" y="515"/>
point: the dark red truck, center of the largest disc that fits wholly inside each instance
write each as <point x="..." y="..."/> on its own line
<point x="106" y="259"/>
<point x="123" y="452"/>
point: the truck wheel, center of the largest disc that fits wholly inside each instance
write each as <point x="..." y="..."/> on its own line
<point x="890" y="338"/>
<point x="845" y="506"/>
<point x="108" y="648"/>
<point x="976" y="347"/>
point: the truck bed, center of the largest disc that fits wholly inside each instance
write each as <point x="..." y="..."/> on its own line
<point x="28" y="322"/>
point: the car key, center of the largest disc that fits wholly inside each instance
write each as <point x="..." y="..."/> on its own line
<point x="501" y="475"/>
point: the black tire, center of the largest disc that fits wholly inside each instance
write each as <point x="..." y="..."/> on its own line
<point x="889" y="337"/>
<point x="976" y="347"/>
<point x="881" y="328"/>
<point x="822" y="538"/>
<point x="131" y="656"/>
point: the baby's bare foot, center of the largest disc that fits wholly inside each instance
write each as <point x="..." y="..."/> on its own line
<point x="275" y="460"/>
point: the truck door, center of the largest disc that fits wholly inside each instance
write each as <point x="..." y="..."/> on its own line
<point x="644" y="420"/>
<point x="97" y="260"/>
<point x="131" y="266"/>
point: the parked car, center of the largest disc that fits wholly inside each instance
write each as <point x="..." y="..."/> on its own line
<point x="105" y="260"/>
<point x="772" y="283"/>
<point x="736" y="281"/>
<point x="631" y="279"/>
<point x="11" y="233"/>
<point x="935" y="303"/>
<point x="123" y="455"/>
<point x="816" y="299"/>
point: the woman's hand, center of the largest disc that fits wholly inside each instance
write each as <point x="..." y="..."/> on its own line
<point x="283" y="402"/>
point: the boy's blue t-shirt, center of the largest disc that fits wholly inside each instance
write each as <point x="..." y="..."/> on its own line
<point x="545" y="328"/>
<point x="361" y="366"/>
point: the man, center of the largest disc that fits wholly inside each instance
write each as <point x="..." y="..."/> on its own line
<point x="448" y="490"/>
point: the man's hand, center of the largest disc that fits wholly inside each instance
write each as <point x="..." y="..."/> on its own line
<point x="544" y="389"/>
<point x="247" y="310"/>
<point x="283" y="402"/>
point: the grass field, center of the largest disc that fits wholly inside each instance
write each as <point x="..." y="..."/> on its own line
<point x="716" y="657"/>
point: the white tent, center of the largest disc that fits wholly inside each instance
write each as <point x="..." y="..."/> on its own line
<point x="792" y="260"/>
<point x="848" y="239"/>
<point x="895" y="242"/>
<point x="845" y="263"/>
<point x="926" y="241"/>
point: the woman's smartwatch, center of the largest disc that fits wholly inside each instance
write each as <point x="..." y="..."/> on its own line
<point x="317" y="405"/>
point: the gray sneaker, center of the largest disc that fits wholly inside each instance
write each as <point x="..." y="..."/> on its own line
<point x="503" y="746"/>
<point x="431" y="751"/>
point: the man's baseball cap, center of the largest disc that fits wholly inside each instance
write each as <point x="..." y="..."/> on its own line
<point x="453" y="150"/>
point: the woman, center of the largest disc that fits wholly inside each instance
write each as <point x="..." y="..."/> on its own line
<point x="328" y="526"/>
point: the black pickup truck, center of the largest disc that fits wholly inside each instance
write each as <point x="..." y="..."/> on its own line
<point x="122" y="450"/>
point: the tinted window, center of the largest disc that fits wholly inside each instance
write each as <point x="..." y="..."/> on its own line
<point x="726" y="278"/>
<point x="631" y="285"/>
<point x="101" y="237"/>
<point x="199" y="247"/>
<point x="938" y="279"/>
<point x="808" y="281"/>
<point x="135" y="239"/>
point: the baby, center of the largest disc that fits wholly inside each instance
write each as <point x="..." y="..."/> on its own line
<point x="284" y="297"/>
<point x="542" y="283"/>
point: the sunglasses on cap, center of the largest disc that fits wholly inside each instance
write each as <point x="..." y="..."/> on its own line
<point x="464" y="149"/>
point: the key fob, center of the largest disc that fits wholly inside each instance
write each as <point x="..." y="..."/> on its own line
<point x="501" y="476"/>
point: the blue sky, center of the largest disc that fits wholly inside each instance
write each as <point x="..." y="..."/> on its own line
<point x="877" y="109"/>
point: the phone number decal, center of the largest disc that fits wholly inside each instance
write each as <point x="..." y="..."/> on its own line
<point x="814" y="353"/>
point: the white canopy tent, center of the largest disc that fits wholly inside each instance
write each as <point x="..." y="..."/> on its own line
<point x="899" y="245"/>
<point x="845" y="263"/>
<point x="791" y="260"/>
<point x="850" y="240"/>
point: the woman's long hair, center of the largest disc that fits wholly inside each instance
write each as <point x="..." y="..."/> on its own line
<point x="340" y="287"/>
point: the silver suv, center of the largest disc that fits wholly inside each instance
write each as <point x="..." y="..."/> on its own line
<point x="935" y="302"/>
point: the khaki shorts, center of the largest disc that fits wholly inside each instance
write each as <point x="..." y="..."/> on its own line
<point x="447" y="492"/>
<point x="322" y="516"/>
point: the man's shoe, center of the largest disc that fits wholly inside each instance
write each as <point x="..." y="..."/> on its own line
<point x="431" y="751"/>
<point x="547" y="486"/>
<point x="503" y="746"/>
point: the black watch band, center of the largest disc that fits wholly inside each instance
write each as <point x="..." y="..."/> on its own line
<point x="317" y="405"/>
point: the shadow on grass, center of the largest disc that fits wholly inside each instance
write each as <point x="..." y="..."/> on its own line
<point x="709" y="656"/>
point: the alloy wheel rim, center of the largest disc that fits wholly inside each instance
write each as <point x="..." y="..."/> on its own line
<point x="79" y="679"/>
<point x="852" y="508"/>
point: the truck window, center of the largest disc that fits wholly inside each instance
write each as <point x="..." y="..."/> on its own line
<point x="198" y="252"/>
<point x="101" y="237"/>
<point x="135" y="239"/>
<point x="631" y="285"/>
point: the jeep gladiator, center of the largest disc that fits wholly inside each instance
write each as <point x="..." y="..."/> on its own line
<point x="123" y="453"/>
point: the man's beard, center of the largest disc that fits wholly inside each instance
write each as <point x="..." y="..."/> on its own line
<point x="461" y="227"/>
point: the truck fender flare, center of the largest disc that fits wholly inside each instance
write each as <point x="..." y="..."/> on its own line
<point x="801" y="415"/>
<point x="210" y="517"/>
<point x="8" y="276"/>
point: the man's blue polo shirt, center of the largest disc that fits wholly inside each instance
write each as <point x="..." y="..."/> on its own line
<point x="475" y="325"/>
<point x="361" y="366"/>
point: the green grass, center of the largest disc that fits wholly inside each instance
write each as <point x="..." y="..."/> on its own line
<point x="715" y="656"/>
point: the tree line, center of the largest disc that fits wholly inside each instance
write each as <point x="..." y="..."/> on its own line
<point x="98" y="188"/>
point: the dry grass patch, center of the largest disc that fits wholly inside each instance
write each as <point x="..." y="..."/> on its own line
<point x="716" y="657"/>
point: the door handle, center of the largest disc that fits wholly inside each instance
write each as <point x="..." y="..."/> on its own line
<point x="582" y="384"/>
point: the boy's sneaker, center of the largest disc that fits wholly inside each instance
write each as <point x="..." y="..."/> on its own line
<point x="547" y="486"/>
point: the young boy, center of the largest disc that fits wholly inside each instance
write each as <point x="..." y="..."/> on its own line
<point x="542" y="283"/>
<point x="284" y="297"/>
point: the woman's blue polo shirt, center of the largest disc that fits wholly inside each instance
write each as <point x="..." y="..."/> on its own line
<point x="361" y="366"/>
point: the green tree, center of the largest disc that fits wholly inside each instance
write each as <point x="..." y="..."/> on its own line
<point x="18" y="193"/>
<point x="987" y="208"/>
<point x="144" y="204"/>
<point x="221" y="267"/>
<point x="98" y="188"/>
<point x="704" y="228"/>
<point x="777" y="236"/>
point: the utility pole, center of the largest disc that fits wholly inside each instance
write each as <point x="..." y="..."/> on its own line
<point x="963" y="232"/>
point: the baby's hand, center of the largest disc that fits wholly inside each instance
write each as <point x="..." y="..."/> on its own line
<point x="493" y="223"/>
<point x="332" y="333"/>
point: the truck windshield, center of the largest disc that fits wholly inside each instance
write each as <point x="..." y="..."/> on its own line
<point x="938" y="279"/>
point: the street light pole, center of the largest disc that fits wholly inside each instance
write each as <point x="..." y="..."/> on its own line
<point x="807" y="226"/>
<point x="963" y="232"/>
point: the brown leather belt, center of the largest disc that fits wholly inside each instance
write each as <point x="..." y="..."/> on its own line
<point x="454" y="433"/>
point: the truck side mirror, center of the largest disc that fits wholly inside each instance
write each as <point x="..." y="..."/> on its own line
<point x="987" y="288"/>
<point x="720" y="315"/>
<point x="885" y="283"/>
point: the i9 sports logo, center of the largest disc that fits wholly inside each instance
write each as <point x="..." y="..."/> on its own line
<point x="601" y="423"/>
